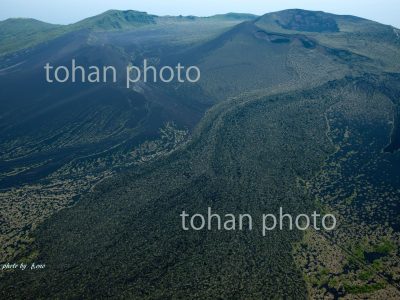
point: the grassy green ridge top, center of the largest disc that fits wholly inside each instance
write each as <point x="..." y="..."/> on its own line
<point x="20" y="33"/>
<point x="115" y="19"/>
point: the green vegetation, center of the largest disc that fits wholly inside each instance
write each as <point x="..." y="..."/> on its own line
<point x="385" y="247"/>
<point x="366" y="275"/>
<point x="357" y="254"/>
<point x="355" y="289"/>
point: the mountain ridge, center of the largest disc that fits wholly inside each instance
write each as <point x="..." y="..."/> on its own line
<point x="131" y="19"/>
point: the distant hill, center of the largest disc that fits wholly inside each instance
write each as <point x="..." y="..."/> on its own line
<point x="20" y="33"/>
<point x="116" y="20"/>
<point x="235" y="16"/>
